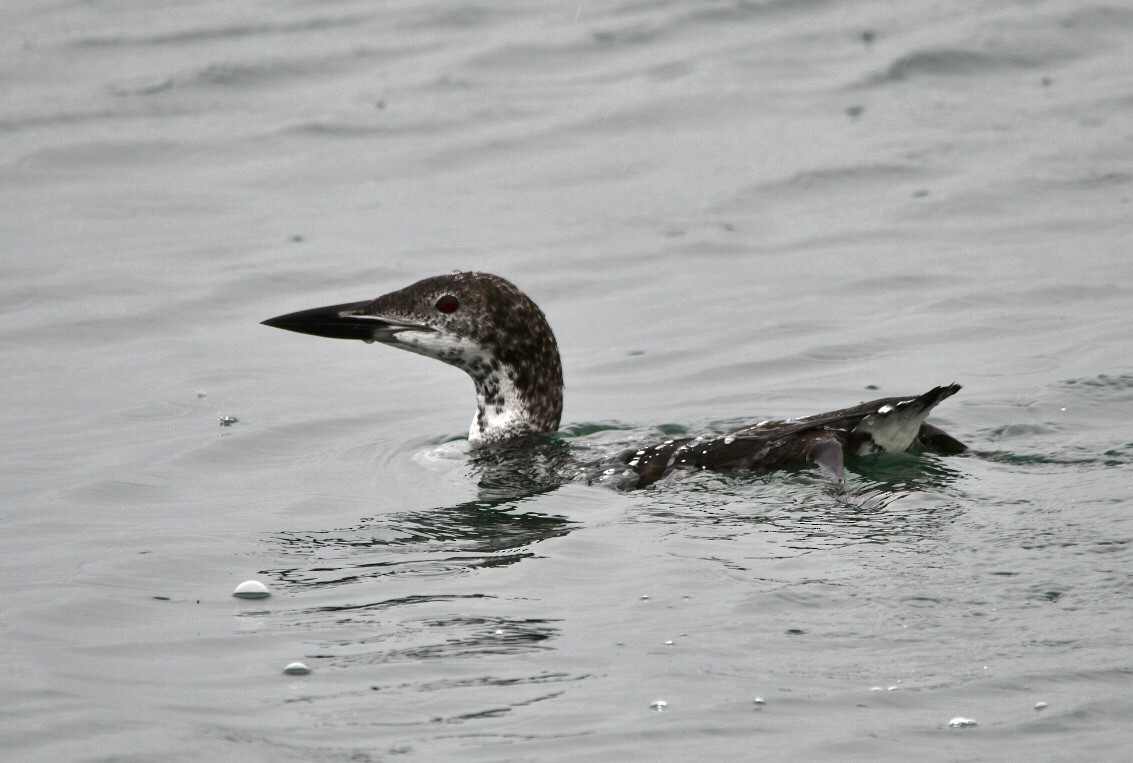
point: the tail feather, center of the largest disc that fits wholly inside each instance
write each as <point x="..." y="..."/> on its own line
<point x="937" y="440"/>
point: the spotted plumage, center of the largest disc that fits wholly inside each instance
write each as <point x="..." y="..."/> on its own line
<point x="488" y="328"/>
<point x="824" y="439"/>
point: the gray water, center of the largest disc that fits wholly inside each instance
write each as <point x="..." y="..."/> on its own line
<point x="729" y="212"/>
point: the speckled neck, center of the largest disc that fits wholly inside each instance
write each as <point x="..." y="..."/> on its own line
<point x="498" y="336"/>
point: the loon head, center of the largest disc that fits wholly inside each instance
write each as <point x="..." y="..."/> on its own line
<point x="478" y="322"/>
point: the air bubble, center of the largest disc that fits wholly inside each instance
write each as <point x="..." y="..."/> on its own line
<point x="251" y="589"/>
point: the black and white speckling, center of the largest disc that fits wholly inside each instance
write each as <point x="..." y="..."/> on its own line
<point x="485" y="326"/>
<point x="498" y="336"/>
<point x="881" y="426"/>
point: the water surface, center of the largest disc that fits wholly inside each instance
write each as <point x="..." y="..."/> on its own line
<point x="729" y="212"/>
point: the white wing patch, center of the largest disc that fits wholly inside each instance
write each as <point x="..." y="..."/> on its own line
<point x="892" y="429"/>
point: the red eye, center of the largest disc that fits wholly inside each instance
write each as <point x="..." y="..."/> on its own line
<point x="447" y="304"/>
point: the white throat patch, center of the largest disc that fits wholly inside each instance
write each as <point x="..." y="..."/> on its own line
<point x="500" y="410"/>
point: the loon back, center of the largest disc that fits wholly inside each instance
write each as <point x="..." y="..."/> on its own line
<point x="488" y="328"/>
<point x="889" y="425"/>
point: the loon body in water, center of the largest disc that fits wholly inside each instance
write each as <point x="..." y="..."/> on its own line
<point x="485" y="326"/>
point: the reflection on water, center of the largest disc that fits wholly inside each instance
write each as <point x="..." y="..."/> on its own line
<point x="907" y="471"/>
<point x="524" y="467"/>
<point x="434" y="637"/>
<point x="892" y="498"/>
<point x="492" y="531"/>
<point x="431" y="627"/>
<point x="888" y="498"/>
<point x="495" y="530"/>
<point x="473" y="534"/>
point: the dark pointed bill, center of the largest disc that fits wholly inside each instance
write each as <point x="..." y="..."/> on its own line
<point x="347" y="321"/>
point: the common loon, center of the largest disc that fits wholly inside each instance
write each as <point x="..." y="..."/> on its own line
<point x="485" y="326"/>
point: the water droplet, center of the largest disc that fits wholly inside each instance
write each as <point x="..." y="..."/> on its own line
<point x="227" y="421"/>
<point x="729" y="440"/>
<point x="296" y="669"/>
<point x="885" y="409"/>
<point x="251" y="589"/>
<point x="959" y="723"/>
<point x="658" y="705"/>
<point x="758" y="701"/>
<point x="669" y="642"/>
<point x="644" y="596"/>
<point x="1040" y="706"/>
